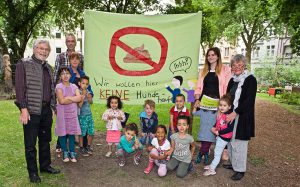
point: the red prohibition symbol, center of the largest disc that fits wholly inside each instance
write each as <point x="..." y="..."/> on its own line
<point x="116" y="42"/>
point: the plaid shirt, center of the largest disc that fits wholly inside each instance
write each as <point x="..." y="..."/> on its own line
<point x="62" y="60"/>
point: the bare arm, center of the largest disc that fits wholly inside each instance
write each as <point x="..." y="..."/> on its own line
<point x="193" y="147"/>
<point x="77" y="97"/>
<point x="171" y="123"/>
<point x="61" y="99"/>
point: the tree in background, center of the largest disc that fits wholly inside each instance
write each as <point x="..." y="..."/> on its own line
<point x="212" y="27"/>
<point x="290" y="17"/>
<point x="22" y="20"/>
<point x="249" y="20"/>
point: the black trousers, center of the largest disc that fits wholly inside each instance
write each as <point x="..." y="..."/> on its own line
<point x="38" y="126"/>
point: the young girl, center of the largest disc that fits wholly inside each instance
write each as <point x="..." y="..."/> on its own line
<point x="113" y="116"/>
<point x="183" y="148"/>
<point x="130" y="144"/>
<point x="223" y="131"/>
<point x="67" y="120"/>
<point x="158" y="150"/>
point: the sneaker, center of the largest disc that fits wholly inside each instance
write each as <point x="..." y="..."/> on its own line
<point x="73" y="157"/>
<point x="206" y="167"/>
<point x="83" y="152"/>
<point x="89" y="150"/>
<point x="65" y="157"/>
<point x="108" y="154"/>
<point x="136" y="159"/>
<point x="209" y="172"/>
<point x="121" y="162"/>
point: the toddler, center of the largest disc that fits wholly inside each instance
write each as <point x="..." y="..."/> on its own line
<point x="113" y="117"/>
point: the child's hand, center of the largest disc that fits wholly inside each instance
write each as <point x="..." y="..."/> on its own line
<point x="150" y="148"/>
<point x="120" y="117"/>
<point x="83" y="92"/>
<point x="110" y="117"/>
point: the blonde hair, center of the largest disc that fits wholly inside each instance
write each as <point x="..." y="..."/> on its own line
<point x="207" y="64"/>
<point x="149" y="102"/>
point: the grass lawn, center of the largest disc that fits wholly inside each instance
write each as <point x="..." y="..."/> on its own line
<point x="276" y="100"/>
<point x="13" y="170"/>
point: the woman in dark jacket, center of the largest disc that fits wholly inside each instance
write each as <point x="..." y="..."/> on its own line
<point x="242" y="88"/>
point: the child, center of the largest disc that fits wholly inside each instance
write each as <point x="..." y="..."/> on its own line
<point x="177" y="110"/>
<point x="113" y="116"/>
<point x="148" y="120"/>
<point x="183" y="148"/>
<point x="85" y="117"/>
<point x="67" y="120"/>
<point x="223" y="132"/>
<point x="129" y="144"/>
<point x="158" y="149"/>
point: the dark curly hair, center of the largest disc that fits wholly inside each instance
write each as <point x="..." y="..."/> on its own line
<point x="64" y="68"/>
<point x="132" y="127"/>
<point x="162" y="127"/>
<point x="184" y="117"/>
<point x="120" y="104"/>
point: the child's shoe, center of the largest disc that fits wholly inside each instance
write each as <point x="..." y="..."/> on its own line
<point x="121" y="162"/>
<point x="206" y="159"/>
<point x="83" y="151"/>
<point x="65" y="157"/>
<point x="149" y="168"/>
<point x="206" y="167"/>
<point x="108" y="154"/>
<point x="191" y="168"/>
<point x="209" y="172"/>
<point x="89" y="150"/>
<point x="199" y="158"/>
<point x="73" y="157"/>
<point x="137" y="158"/>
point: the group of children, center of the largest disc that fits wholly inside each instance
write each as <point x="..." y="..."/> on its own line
<point x="168" y="150"/>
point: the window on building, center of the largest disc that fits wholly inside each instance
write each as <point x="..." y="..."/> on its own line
<point x="58" y="35"/>
<point x="288" y="52"/>
<point x="255" y="53"/>
<point x="226" y="51"/>
<point x="270" y="50"/>
<point x="58" y="50"/>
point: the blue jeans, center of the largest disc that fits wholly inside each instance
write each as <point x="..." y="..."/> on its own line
<point x="144" y="138"/>
<point x="220" y="146"/>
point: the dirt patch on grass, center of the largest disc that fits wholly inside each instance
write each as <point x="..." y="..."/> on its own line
<point x="273" y="159"/>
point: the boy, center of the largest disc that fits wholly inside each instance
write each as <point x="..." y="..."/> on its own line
<point x="178" y="110"/>
<point x="85" y="117"/>
<point x="148" y="121"/>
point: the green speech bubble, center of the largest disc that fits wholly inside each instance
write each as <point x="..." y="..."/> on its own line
<point x="181" y="64"/>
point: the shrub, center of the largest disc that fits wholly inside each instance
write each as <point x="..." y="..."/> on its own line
<point x="290" y="98"/>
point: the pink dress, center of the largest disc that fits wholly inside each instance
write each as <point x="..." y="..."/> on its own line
<point x="67" y="115"/>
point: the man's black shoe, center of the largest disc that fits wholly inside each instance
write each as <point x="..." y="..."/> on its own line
<point x="34" y="178"/>
<point x="227" y="166"/>
<point x="50" y="170"/>
<point x="237" y="176"/>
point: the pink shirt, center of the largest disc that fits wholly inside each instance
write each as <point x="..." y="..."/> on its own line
<point x="224" y="78"/>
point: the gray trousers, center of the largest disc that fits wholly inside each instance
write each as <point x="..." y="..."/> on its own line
<point x="182" y="169"/>
<point x="237" y="151"/>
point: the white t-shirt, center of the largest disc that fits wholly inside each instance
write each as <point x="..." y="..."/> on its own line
<point x="161" y="149"/>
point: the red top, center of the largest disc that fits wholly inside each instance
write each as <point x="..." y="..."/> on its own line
<point x="174" y="111"/>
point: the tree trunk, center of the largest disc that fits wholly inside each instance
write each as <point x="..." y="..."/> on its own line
<point x="248" y="55"/>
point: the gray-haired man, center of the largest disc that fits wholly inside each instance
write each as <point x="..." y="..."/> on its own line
<point x="35" y="97"/>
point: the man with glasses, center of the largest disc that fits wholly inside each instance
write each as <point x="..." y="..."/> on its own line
<point x="35" y="97"/>
<point x="62" y="59"/>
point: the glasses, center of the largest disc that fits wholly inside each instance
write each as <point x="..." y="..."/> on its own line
<point x="237" y="67"/>
<point x="43" y="49"/>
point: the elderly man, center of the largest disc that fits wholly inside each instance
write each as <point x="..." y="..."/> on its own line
<point x="35" y="97"/>
<point x="62" y="60"/>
